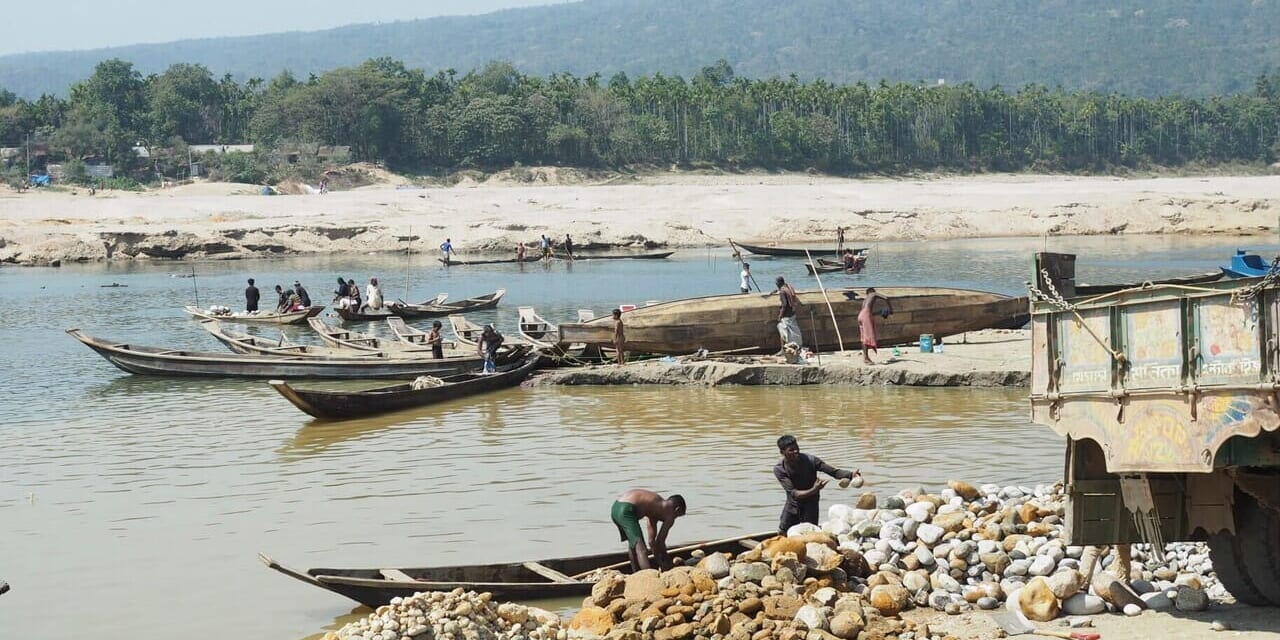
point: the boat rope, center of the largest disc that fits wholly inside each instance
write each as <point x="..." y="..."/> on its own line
<point x="1054" y="298"/>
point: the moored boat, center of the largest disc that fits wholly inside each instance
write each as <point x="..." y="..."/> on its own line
<point x="340" y="405"/>
<point x="463" y="263"/>
<point x="535" y="580"/>
<point x="161" y="361"/>
<point x="535" y="330"/>
<point x="747" y="323"/>
<point x="1100" y="289"/>
<point x="625" y="256"/>
<point x="792" y="252"/>
<point x="1246" y="265"/>
<point x="836" y="266"/>
<point x="392" y="309"/>
<point x="245" y="343"/>
<point x="268" y="317"/>
<point x="432" y="309"/>
<point x="341" y="338"/>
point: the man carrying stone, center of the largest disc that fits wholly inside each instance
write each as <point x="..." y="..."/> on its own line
<point x="789" y="304"/>
<point x="626" y="513"/>
<point x="798" y="474"/>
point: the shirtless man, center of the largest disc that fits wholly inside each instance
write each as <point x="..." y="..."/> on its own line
<point x="635" y="504"/>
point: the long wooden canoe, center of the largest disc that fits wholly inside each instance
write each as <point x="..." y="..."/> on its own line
<point x="268" y="317"/>
<point x="537" y="580"/>
<point x="835" y="266"/>
<point x="431" y="309"/>
<point x="625" y="256"/>
<point x="160" y="361"/>
<point x="340" y="405"/>
<point x="461" y="263"/>
<point x="392" y="309"/>
<point x="790" y="252"/>
<point x="250" y="344"/>
<point x="747" y="323"/>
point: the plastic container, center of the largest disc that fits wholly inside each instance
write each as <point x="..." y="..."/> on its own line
<point x="926" y="343"/>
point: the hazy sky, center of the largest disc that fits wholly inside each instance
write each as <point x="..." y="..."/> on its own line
<point x="90" y="24"/>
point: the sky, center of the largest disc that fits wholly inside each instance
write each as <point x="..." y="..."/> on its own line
<point x="92" y="24"/>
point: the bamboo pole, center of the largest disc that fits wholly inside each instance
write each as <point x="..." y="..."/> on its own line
<point x="738" y="254"/>
<point x="834" y="323"/>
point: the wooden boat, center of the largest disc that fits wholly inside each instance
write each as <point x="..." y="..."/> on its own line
<point x="350" y="340"/>
<point x="1101" y="289"/>
<point x="392" y="309"/>
<point x="340" y="405"/>
<point x="249" y="344"/>
<point x="269" y="317"/>
<point x="1246" y="265"/>
<point x="461" y="263"/>
<point x="542" y="579"/>
<point x="535" y="330"/>
<point x="747" y="323"/>
<point x="791" y="253"/>
<point x="433" y="309"/>
<point x="835" y="266"/>
<point x="160" y="361"/>
<point x="626" y="256"/>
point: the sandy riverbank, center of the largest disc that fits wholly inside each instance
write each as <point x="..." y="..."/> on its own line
<point x="672" y="210"/>
<point x="990" y="358"/>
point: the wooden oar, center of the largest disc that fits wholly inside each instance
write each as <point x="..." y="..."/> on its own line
<point x="834" y="323"/>
<point x="691" y="547"/>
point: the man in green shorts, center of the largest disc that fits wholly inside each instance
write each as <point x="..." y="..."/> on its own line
<point x="635" y="504"/>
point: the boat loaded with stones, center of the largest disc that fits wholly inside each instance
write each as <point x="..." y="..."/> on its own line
<point x="160" y="361"/>
<point x="747" y="323"/>
<point x="342" y="404"/>
<point x="268" y="317"/>
<point x="554" y="578"/>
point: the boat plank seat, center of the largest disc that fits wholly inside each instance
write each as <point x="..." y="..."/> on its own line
<point x="396" y="575"/>
<point x="548" y="572"/>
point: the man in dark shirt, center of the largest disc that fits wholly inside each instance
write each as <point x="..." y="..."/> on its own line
<point x="251" y="296"/>
<point x="798" y="474"/>
<point x="282" y="303"/>
<point x="302" y="293"/>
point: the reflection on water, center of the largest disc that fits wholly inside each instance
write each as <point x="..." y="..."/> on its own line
<point x="159" y="491"/>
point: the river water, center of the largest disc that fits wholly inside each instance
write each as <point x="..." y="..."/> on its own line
<point x="134" y="507"/>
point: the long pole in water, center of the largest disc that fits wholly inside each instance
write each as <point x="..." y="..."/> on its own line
<point x="408" y="255"/>
<point x="834" y="323"/>
<point x="194" y="285"/>
<point x="813" y="332"/>
<point x="738" y="254"/>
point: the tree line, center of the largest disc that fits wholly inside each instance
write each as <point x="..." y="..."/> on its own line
<point x="497" y="117"/>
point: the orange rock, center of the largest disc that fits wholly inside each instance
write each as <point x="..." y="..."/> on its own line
<point x="592" y="620"/>
<point x="1037" y="602"/>
<point x="889" y="599"/>
<point x="782" y="544"/>
<point x="963" y="489"/>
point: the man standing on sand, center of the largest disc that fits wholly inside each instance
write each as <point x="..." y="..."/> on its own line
<point x="546" y="247"/>
<point x="798" y="474"/>
<point x="251" y="296"/>
<point x="626" y="513"/>
<point x="789" y="304"/>
<point x="568" y="246"/>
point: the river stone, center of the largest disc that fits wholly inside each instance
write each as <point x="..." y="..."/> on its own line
<point x="875" y="557"/>
<point x="894" y="503"/>
<point x="812" y="617"/>
<point x="1083" y="604"/>
<point x="592" y="621"/>
<point x="950" y="522"/>
<point x="920" y="511"/>
<point x="996" y="562"/>
<point x="1064" y="584"/>
<point x="925" y="556"/>
<point x="891" y="532"/>
<point x="847" y="625"/>
<point x="1041" y="566"/>
<point x="866" y="501"/>
<point x="778" y="545"/>
<point x="1190" y="599"/>
<point x="944" y="582"/>
<point x="781" y="607"/>
<point x="646" y="586"/>
<point x="929" y="534"/>
<point x="909" y="526"/>
<point x="961" y="550"/>
<point x="1157" y="600"/>
<point x="1036" y="601"/>
<point x="963" y="489"/>
<point x="867" y="528"/>
<point x="988" y="546"/>
<point x="914" y="581"/>
<point x="821" y="558"/>
<point x="611" y="585"/>
<point x="748" y="572"/>
<point x="889" y="599"/>
<point x="715" y="564"/>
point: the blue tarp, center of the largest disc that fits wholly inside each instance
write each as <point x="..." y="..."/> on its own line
<point x="40" y="181"/>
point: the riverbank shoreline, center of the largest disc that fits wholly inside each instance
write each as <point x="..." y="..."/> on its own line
<point x="230" y="221"/>
<point x="989" y="358"/>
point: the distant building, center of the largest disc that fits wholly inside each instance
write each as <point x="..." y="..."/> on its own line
<point x="220" y="148"/>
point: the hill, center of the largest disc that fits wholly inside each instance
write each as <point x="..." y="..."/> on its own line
<point x="1144" y="47"/>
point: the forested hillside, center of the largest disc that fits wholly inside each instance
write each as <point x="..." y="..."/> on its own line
<point x="1142" y="47"/>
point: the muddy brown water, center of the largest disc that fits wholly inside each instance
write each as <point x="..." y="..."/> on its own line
<point x="134" y="507"/>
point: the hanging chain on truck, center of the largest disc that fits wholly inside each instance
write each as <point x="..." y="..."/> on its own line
<point x="1054" y="298"/>
<point x="1251" y="291"/>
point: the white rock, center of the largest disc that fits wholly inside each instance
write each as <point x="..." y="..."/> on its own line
<point x="802" y="528"/>
<point x="1041" y="566"/>
<point x="812" y="617"/>
<point x="1083" y="604"/>
<point x="929" y="534"/>
<point x="1132" y="609"/>
<point x="920" y="511"/>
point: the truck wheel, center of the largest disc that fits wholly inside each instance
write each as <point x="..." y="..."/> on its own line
<point x="1228" y="563"/>
<point x="1259" y="545"/>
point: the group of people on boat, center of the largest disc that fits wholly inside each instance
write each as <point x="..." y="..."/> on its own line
<point x="347" y="295"/>
<point x="789" y="326"/>
<point x="796" y="472"/>
<point x="287" y="300"/>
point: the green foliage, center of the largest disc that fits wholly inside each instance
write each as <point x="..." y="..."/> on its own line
<point x="251" y="168"/>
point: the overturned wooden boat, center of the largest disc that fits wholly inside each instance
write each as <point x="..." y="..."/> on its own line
<point x="161" y="361"/>
<point x="268" y="317"/>
<point x="537" y="580"/>
<point x="340" y="405"/>
<point x="747" y="323"/>
<point x="239" y="342"/>
<point x="792" y="252"/>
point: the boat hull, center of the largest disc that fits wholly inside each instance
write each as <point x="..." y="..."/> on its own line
<point x="156" y="361"/>
<point x="341" y="405"/>
<point x="506" y="581"/>
<point x="790" y="252"/>
<point x="747" y="323"/>
<point x="294" y="317"/>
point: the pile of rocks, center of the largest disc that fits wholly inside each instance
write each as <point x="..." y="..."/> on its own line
<point x="454" y="615"/>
